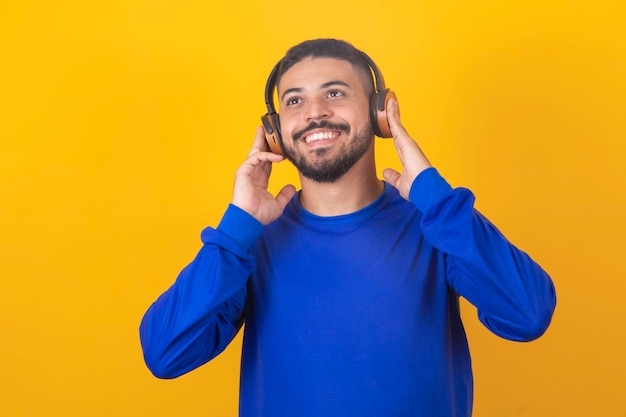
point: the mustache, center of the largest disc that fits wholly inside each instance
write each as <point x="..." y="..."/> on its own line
<point x="324" y="124"/>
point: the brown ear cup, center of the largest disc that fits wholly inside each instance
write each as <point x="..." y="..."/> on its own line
<point x="271" y="125"/>
<point x="378" y="113"/>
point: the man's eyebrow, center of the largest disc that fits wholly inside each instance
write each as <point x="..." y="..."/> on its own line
<point x="335" y="82"/>
<point x="289" y="91"/>
<point x="325" y="85"/>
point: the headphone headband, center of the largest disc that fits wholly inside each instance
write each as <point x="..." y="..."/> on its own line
<point x="379" y="81"/>
<point x="270" y="85"/>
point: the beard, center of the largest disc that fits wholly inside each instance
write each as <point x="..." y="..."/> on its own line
<point x="327" y="170"/>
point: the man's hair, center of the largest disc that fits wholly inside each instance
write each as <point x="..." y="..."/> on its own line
<point x="328" y="48"/>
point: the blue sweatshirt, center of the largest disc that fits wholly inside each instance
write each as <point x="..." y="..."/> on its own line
<point x="353" y="315"/>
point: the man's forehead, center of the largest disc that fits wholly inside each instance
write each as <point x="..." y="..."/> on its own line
<point x="323" y="70"/>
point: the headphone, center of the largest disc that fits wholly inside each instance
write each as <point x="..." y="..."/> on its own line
<point x="378" y="107"/>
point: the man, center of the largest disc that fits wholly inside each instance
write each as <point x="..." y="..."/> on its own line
<point x="348" y="288"/>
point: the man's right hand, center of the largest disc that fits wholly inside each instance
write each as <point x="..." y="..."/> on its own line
<point x="251" y="180"/>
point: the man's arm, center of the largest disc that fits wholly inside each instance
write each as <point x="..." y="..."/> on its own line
<point x="514" y="296"/>
<point x="196" y="318"/>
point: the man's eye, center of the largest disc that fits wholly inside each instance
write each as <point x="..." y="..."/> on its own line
<point x="293" y="100"/>
<point x="335" y="93"/>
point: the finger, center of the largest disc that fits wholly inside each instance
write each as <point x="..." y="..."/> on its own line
<point x="285" y="195"/>
<point x="413" y="159"/>
<point x="259" y="144"/>
<point x="393" y="117"/>
<point x="259" y="158"/>
<point x="407" y="148"/>
<point x="391" y="176"/>
<point x="258" y="161"/>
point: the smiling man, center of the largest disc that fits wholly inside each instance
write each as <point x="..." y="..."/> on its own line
<point x="349" y="288"/>
<point x="323" y="100"/>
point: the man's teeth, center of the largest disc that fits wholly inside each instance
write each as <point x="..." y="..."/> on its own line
<point x="320" y="136"/>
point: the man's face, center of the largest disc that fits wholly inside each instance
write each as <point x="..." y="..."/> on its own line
<point x="324" y="117"/>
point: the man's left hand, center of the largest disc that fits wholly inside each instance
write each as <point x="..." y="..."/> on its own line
<point x="411" y="156"/>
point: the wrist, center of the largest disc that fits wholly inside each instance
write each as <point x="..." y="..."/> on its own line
<point x="427" y="188"/>
<point x="240" y="226"/>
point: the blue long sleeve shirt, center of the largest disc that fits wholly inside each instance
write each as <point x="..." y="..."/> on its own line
<point x="353" y="315"/>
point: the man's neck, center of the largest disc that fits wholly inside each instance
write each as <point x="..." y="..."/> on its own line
<point x="358" y="188"/>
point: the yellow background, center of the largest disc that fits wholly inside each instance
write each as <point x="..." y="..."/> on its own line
<point x="122" y="123"/>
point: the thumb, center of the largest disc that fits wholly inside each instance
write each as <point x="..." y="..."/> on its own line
<point x="285" y="195"/>
<point x="391" y="176"/>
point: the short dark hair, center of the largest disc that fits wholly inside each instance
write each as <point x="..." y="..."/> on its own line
<point x="328" y="48"/>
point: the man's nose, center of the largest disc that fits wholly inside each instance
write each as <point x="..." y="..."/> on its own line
<point x="317" y="109"/>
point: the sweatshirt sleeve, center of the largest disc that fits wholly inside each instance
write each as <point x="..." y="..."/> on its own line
<point x="514" y="296"/>
<point x="198" y="316"/>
